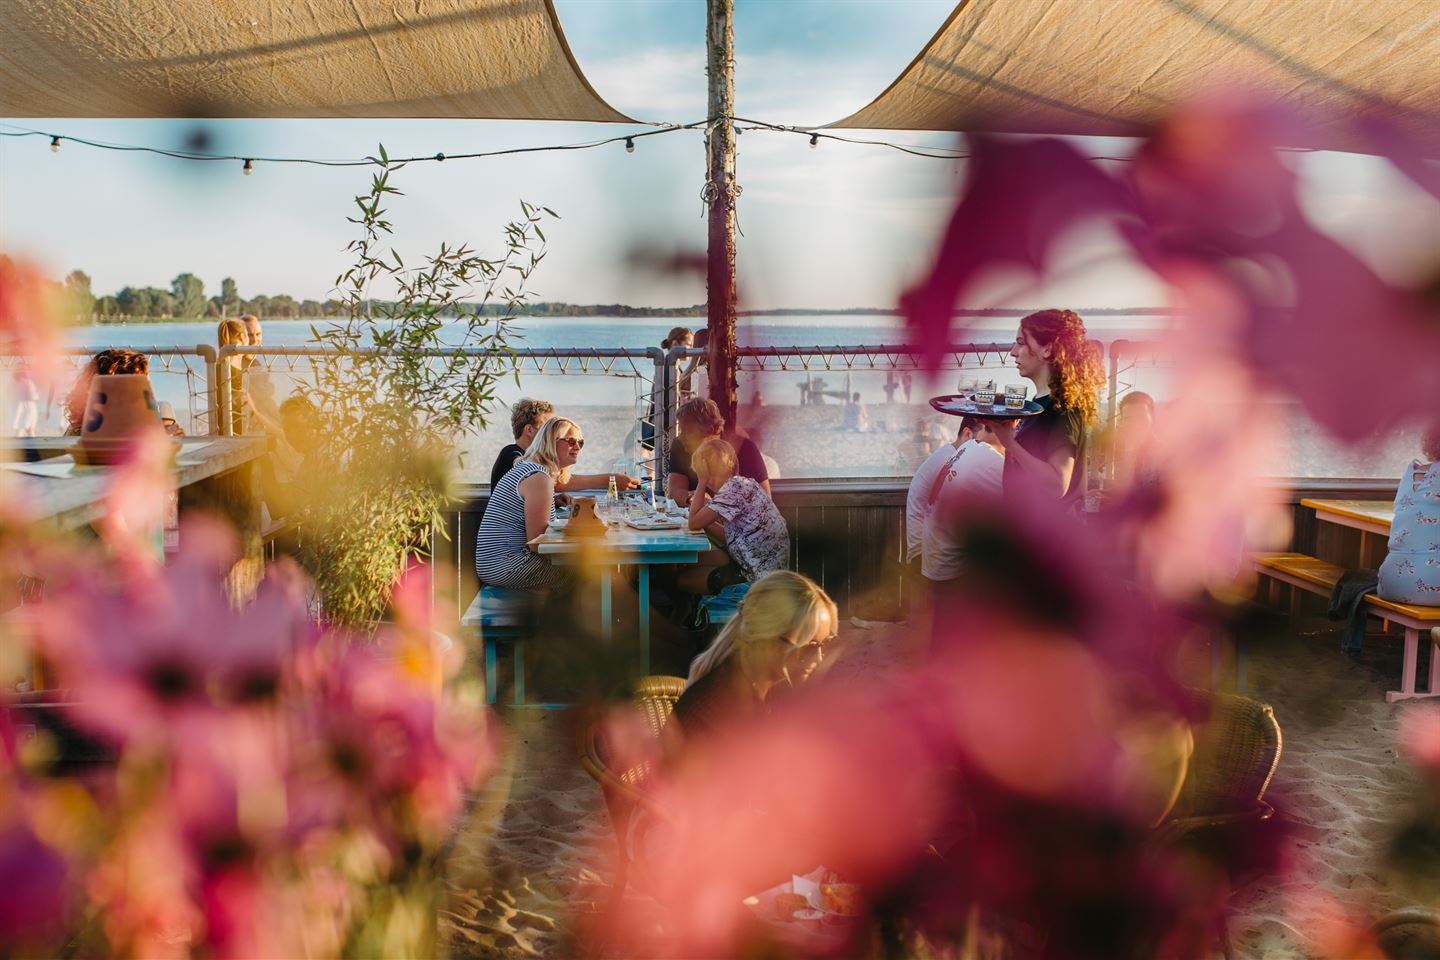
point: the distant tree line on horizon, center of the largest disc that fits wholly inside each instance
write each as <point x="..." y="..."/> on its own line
<point x="186" y="300"/>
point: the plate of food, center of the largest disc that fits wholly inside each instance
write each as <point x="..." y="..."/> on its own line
<point x="655" y="522"/>
<point x="969" y="405"/>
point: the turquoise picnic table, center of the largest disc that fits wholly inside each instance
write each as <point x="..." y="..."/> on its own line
<point x="619" y="546"/>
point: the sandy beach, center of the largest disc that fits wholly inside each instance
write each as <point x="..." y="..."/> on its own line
<point x="531" y="861"/>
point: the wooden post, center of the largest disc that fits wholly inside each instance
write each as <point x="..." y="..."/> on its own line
<point x="720" y="191"/>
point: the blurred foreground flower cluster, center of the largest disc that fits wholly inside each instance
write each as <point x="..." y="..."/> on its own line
<point x="264" y="788"/>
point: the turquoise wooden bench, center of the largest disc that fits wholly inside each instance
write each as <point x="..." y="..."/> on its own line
<point x="496" y="616"/>
<point x="725" y="605"/>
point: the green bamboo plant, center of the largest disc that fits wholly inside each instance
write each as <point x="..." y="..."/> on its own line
<point x="396" y="395"/>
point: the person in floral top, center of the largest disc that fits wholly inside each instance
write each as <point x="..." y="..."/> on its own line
<point x="739" y="515"/>
<point x="1411" y="571"/>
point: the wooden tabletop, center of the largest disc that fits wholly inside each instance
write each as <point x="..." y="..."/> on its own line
<point x="69" y="496"/>
<point x="642" y="546"/>
<point x="1374" y="516"/>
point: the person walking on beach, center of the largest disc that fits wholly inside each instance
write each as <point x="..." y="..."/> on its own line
<point x="853" y="417"/>
<point x="27" y="402"/>
<point x="1047" y="451"/>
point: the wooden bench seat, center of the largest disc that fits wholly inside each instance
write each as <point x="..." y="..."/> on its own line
<point x="498" y="615"/>
<point x="1316" y="576"/>
<point x="725" y="605"/>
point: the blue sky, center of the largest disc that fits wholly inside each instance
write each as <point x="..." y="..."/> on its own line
<point x="836" y="226"/>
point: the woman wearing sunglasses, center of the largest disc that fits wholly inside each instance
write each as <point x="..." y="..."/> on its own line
<point x="522" y="505"/>
<point x="777" y="640"/>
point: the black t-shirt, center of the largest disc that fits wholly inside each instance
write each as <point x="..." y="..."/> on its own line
<point x="1051" y="430"/>
<point x="716" y="702"/>
<point x="749" y="463"/>
<point x="508" y="455"/>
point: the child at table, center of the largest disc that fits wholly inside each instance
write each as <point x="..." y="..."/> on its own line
<point x="739" y="515"/>
<point x="1411" y="571"/>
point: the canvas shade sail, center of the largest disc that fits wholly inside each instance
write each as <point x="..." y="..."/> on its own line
<point x="502" y="59"/>
<point x="1111" y="67"/>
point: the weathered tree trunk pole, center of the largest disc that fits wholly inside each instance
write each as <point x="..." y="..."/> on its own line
<point x="720" y="191"/>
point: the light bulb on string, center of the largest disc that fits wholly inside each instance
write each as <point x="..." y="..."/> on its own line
<point x="629" y="145"/>
<point x="249" y="167"/>
<point x="54" y="144"/>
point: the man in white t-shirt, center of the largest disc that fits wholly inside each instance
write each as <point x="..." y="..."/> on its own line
<point x="922" y="488"/>
<point x="974" y="475"/>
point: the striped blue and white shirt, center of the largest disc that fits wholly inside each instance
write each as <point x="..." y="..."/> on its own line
<point x="502" y="558"/>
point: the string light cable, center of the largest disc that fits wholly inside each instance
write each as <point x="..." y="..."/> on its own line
<point x="816" y="134"/>
<point x="741" y="125"/>
<point x="369" y="161"/>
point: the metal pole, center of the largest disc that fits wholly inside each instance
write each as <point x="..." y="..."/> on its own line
<point x="212" y="393"/>
<point x="720" y="191"/>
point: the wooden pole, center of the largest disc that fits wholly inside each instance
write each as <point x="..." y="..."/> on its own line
<point x="720" y="191"/>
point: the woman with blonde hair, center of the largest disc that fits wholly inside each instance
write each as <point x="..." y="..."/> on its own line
<point x="778" y="638"/>
<point x="1053" y="351"/>
<point x="522" y="505"/>
<point x="231" y="332"/>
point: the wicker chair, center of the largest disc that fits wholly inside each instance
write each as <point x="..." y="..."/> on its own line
<point x="624" y="790"/>
<point x="1236" y="752"/>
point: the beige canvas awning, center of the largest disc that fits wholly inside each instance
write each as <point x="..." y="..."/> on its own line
<point x="502" y="59"/>
<point x="1110" y="67"/>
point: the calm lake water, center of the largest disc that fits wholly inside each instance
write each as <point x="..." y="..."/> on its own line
<point x="608" y="332"/>
<point x="180" y="381"/>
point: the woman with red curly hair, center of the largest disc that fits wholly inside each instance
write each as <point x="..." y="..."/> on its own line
<point x="1048" y="450"/>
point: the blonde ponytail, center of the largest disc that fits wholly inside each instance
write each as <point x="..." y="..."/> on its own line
<point x="778" y="606"/>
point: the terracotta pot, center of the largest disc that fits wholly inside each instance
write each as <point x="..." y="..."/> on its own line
<point x="120" y="408"/>
<point x="583" y="520"/>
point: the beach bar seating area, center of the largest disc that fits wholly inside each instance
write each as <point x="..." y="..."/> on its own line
<point x="977" y="613"/>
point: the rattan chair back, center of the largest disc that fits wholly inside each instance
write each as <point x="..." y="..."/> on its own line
<point x="1237" y="749"/>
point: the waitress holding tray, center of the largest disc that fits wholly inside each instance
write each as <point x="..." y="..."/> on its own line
<point x="1047" y="451"/>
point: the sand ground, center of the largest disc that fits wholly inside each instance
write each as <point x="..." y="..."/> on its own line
<point x="531" y="861"/>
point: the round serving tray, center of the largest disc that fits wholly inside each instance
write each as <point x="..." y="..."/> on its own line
<point x="961" y="405"/>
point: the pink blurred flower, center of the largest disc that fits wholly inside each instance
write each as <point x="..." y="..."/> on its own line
<point x="814" y="784"/>
<point x="144" y="655"/>
<point x="1420" y="735"/>
<point x="1214" y="195"/>
<point x="375" y="743"/>
<point x="1017" y="200"/>
<point x="36" y="881"/>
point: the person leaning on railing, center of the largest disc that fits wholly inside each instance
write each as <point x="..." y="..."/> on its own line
<point x="521" y="507"/>
<point x="116" y="360"/>
<point x="231" y="332"/>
